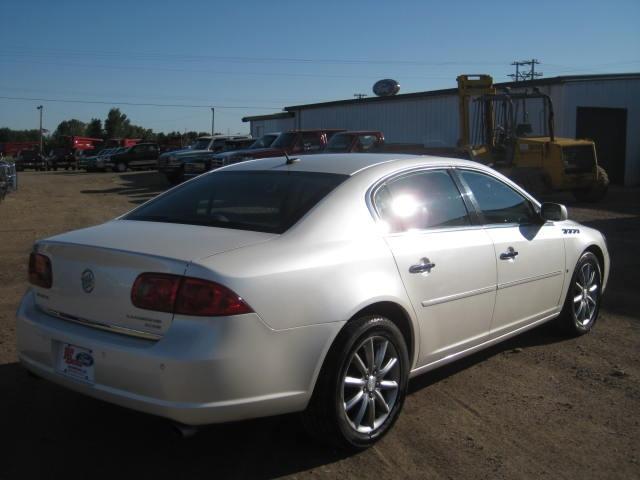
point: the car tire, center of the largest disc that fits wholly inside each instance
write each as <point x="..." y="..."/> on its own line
<point x="120" y="167"/>
<point x="582" y="304"/>
<point x="347" y="408"/>
<point x="597" y="192"/>
<point x="176" y="178"/>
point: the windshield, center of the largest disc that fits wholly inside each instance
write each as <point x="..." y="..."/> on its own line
<point x="263" y="142"/>
<point x="247" y="200"/>
<point x="285" y="140"/>
<point x="201" y="144"/>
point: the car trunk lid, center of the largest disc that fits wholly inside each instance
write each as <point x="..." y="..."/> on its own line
<point x="95" y="268"/>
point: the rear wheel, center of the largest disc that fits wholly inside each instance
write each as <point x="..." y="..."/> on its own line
<point x="582" y="305"/>
<point x="121" y="167"/>
<point x="362" y="385"/>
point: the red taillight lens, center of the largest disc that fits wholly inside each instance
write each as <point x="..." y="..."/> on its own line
<point x="209" y="299"/>
<point x="40" y="273"/>
<point x="155" y="291"/>
<point x="186" y="296"/>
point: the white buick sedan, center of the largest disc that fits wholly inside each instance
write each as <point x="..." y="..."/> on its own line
<point x="316" y="285"/>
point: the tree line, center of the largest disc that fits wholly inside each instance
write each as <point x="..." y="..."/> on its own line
<point x="115" y="125"/>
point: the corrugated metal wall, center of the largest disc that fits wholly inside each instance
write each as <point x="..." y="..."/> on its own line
<point x="433" y="121"/>
<point x="623" y="93"/>
<point x="260" y="127"/>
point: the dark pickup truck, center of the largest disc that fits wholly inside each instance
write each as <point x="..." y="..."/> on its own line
<point x="197" y="164"/>
<point x="30" y="159"/>
<point x="293" y="142"/>
<point x="172" y="163"/>
<point x="138" y="157"/>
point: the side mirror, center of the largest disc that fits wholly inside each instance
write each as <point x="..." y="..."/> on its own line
<point x="553" y="211"/>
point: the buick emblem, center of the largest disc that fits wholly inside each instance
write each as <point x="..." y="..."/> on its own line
<point x="88" y="281"/>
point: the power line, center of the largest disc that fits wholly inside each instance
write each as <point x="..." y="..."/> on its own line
<point x="18" y="51"/>
<point x="219" y="72"/>
<point x="170" y="105"/>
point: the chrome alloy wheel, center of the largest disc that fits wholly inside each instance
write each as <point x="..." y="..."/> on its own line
<point x="370" y="384"/>
<point x="586" y="291"/>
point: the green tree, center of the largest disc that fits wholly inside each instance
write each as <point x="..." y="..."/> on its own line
<point x="94" y="128"/>
<point x="117" y="124"/>
<point x="69" y="127"/>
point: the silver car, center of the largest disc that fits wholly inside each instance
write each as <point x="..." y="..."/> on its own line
<point x="316" y="285"/>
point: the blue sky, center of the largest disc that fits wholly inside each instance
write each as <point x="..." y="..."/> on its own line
<point x="259" y="56"/>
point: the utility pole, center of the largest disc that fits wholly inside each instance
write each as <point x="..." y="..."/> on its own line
<point x="360" y="96"/>
<point x="531" y="74"/>
<point x="40" y="108"/>
<point x="213" y="121"/>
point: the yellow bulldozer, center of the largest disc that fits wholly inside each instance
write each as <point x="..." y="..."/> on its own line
<point x="514" y="133"/>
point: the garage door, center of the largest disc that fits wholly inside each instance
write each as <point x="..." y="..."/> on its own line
<point x="608" y="128"/>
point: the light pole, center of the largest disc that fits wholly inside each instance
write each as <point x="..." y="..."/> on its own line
<point x="40" y="108"/>
<point x="213" y="120"/>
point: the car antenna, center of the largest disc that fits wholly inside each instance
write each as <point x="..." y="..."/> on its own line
<point x="290" y="161"/>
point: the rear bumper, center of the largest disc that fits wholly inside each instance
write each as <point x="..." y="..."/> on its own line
<point x="204" y="370"/>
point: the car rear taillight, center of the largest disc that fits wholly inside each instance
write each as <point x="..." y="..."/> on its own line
<point x="40" y="273"/>
<point x="185" y="296"/>
<point x="155" y="291"/>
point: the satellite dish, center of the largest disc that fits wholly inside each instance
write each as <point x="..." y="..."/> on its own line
<point x="386" y="87"/>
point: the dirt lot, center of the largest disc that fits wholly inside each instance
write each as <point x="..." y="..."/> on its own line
<point x="537" y="406"/>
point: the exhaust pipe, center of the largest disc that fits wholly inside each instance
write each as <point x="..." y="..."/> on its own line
<point x="184" y="431"/>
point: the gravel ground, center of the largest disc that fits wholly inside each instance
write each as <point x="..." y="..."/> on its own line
<point x="535" y="406"/>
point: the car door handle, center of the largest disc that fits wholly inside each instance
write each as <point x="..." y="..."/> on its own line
<point x="509" y="254"/>
<point x="425" y="265"/>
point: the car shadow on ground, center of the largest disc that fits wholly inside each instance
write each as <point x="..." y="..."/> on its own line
<point x="66" y="432"/>
<point x="137" y="186"/>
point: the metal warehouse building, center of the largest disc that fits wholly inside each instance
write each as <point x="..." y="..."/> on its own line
<point x="605" y="108"/>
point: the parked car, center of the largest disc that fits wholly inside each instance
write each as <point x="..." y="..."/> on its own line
<point x="97" y="162"/>
<point x="61" y="157"/>
<point x="356" y="142"/>
<point x="198" y="164"/>
<point x="8" y="178"/>
<point x="319" y="284"/>
<point x="172" y="163"/>
<point x="138" y="157"/>
<point x="30" y="159"/>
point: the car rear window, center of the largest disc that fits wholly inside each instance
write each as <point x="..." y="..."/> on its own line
<point x="262" y="201"/>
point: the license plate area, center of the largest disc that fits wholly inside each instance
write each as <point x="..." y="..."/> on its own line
<point x="75" y="362"/>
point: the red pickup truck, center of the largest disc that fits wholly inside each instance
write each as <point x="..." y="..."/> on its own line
<point x="293" y="142"/>
<point x="359" y="141"/>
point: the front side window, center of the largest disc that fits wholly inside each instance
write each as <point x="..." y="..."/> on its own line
<point x="498" y="202"/>
<point x="262" y="201"/>
<point x="421" y="200"/>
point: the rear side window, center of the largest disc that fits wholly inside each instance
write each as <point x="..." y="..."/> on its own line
<point x="421" y="200"/>
<point x="311" y="142"/>
<point x="498" y="202"/>
<point x="249" y="200"/>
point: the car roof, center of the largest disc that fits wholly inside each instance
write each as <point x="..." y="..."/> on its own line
<point x="346" y="163"/>
<point x="359" y="132"/>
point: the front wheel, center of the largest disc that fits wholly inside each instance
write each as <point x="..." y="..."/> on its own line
<point x="362" y="385"/>
<point x="582" y="305"/>
<point x="121" y="167"/>
<point x="597" y="191"/>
